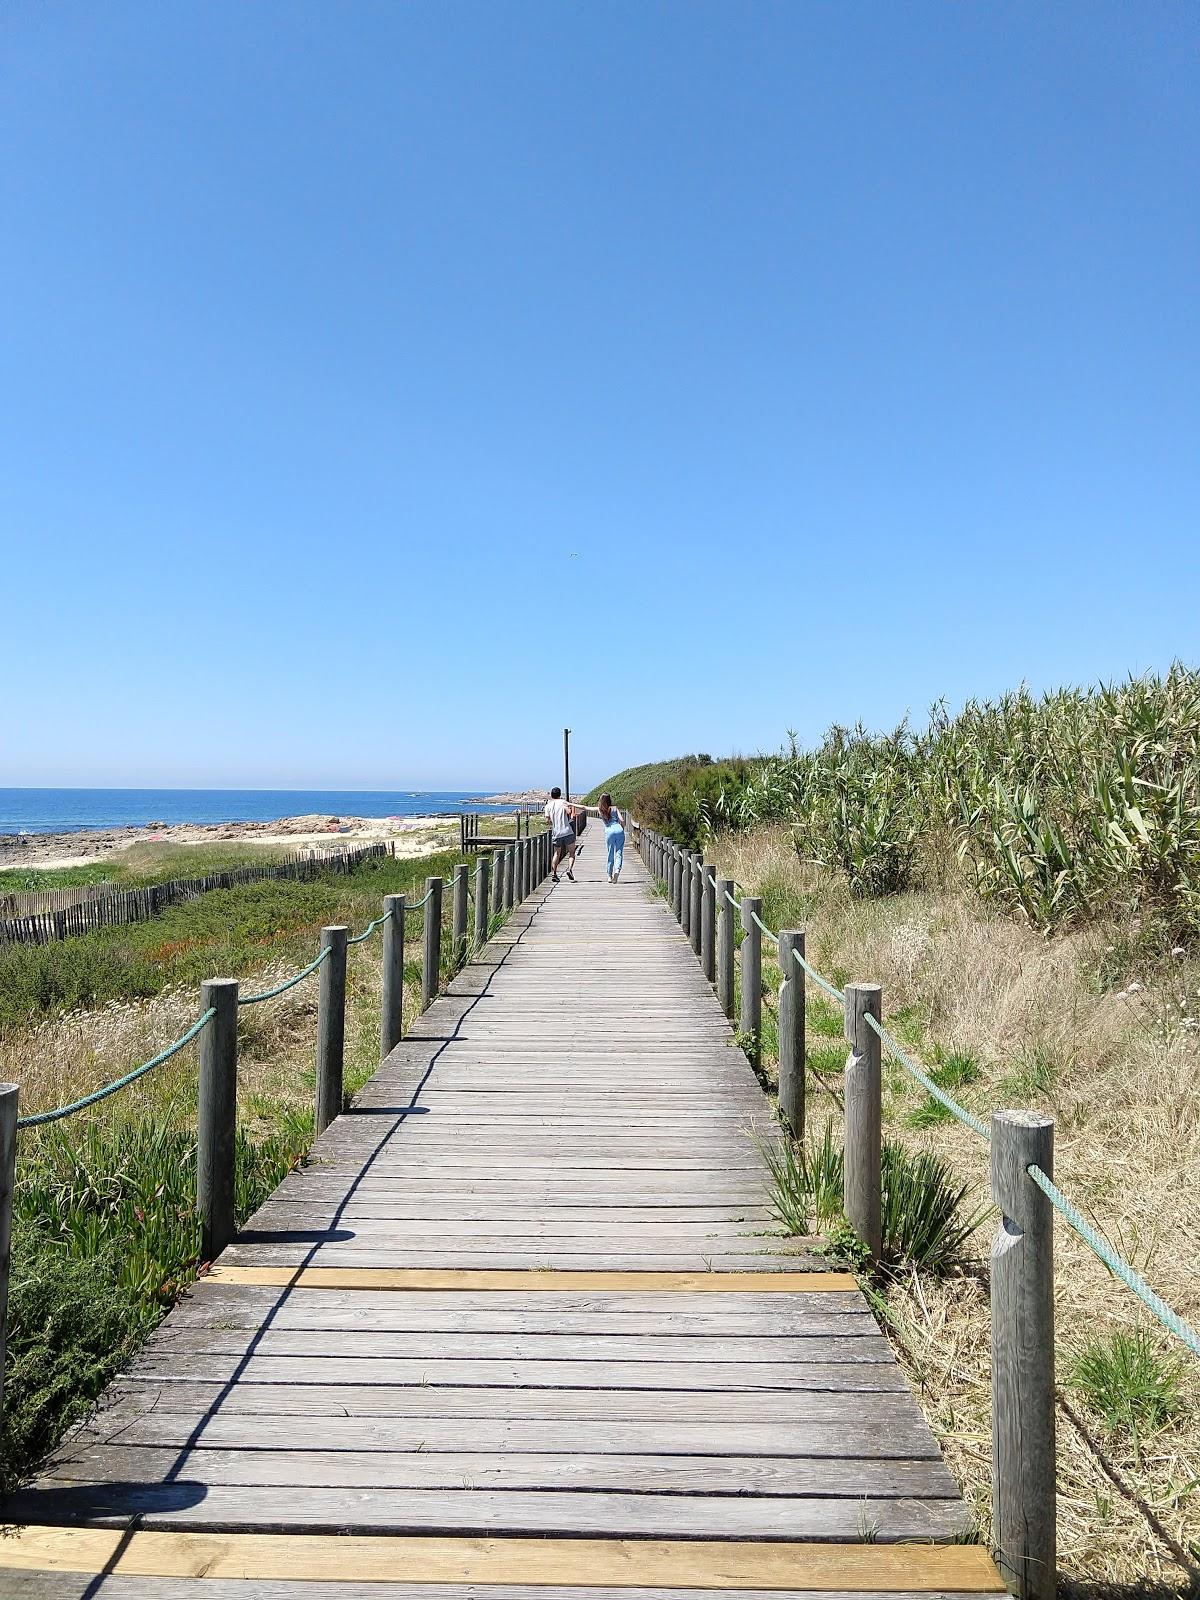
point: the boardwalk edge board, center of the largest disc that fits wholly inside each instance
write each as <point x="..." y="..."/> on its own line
<point x="552" y="1280"/>
<point x="383" y="1558"/>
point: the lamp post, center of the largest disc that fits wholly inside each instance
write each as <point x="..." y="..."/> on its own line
<point x="566" y="763"/>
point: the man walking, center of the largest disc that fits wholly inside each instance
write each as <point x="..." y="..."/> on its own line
<point x="560" y="814"/>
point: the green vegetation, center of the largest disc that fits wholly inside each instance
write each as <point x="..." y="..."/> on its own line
<point x="105" y="1230"/>
<point x="105" y="1235"/>
<point x="924" y="1220"/>
<point x="951" y="1071"/>
<point x="1129" y="1382"/>
<point x="1060" y="808"/>
<point x="806" y="1180"/>
<point x="682" y="801"/>
<point x="222" y="933"/>
<point x="626" y="786"/>
<point x="146" y="863"/>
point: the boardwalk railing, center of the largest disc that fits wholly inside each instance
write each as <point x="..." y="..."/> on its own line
<point x="41" y="917"/>
<point x="1023" y="1191"/>
<point x="470" y="838"/>
<point x="502" y="881"/>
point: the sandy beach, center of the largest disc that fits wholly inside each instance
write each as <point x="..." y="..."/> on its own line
<point x="414" y="836"/>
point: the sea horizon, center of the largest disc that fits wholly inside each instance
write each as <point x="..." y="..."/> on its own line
<point x="80" y="809"/>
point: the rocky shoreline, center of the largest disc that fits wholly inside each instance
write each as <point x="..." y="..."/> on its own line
<point x="87" y="846"/>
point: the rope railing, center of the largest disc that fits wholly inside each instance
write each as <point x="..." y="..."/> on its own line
<point x="288" y="983"/>
<point x="1129" y="1276"/>
<point x="39" y="1118"/>
<point x="1022" y="1267"/>
<point x="525" y="865"/>
<point x="359" y="938"/>
<point x="927" y="1083"/>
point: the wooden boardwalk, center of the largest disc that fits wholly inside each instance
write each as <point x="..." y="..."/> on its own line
<point x="519" y="1330"/>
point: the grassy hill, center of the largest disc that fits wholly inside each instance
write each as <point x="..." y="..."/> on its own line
<point x="623" y="786"/>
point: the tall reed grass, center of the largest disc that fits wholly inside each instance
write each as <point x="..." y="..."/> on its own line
<point x="1055" y="807"/>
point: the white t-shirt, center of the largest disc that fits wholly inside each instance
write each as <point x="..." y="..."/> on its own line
<point x="560" y="822"/>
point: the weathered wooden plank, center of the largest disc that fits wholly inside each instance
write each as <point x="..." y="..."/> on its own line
<point x="429" y="1370"/>
<point x="568" y="1469"/>
<point x="211" y="1403"/>
<point x="861" y="1432"/>
<point x="643" y="1348"/>
<point x="218" y="1507"/>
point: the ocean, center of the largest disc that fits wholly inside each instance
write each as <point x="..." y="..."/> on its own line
<point x="70" y="810"/>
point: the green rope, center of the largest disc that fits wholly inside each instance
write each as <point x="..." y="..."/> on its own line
<point x="927" y="1083"/>
<point x="288" y="983"/>
<point x="40" y="1117"/>
<point x="821" y="983"/>
<point x="1170" y="1320"/>
<point x="369" y="929"/>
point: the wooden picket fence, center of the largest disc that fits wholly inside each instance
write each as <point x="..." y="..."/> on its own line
<point x="67" y="913"/>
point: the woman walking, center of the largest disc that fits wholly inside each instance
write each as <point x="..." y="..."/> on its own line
<point x="614" y="833"/>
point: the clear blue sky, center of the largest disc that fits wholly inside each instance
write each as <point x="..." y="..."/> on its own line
<point x="386" y="385"/>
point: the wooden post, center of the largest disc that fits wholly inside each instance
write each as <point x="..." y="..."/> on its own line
<point x="864" y="1115"/>
<point x="725" y="945"/>
<point x="791" y="1031"/>
<point x="431" y="943"/>
<point x="391" y="1012"/>
<point x="696" y="913"/>
<point x="685" y="890"/>
<point x="8" y="1181"/>
<point x="216" y="1117"/>
<point x="1023" y="1457"/>
<point x="331" y="1026"/>
<point x="481" y="901"/>
<point x="462" y="833"/>
<point x="522" y="869"/>
<point x="458" y="913"/>
<point x="708" y="924"/>
<point x="679" y="902"/>
<point x="752" y="969"/>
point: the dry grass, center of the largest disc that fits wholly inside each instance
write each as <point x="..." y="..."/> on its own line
<point x="66" y="1057"/>
<point x="1118" y="1068"/>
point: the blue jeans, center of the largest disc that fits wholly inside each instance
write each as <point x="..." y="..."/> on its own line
<point x="615" y="841"/>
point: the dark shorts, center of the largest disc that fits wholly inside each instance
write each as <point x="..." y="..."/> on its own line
<point x="565" y="841"/>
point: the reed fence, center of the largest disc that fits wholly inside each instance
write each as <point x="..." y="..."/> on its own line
<point x="41" y="917"/>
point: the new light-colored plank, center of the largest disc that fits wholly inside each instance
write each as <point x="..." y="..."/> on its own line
<point x="698" y="1564"/>
<point x="401" y="1278"/>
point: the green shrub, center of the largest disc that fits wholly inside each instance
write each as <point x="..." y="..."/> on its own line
<point x="105" y="1238"/>
<point x="924" y="1224"/>
<point x="951" y="1071"/>
<point x="1128" y="1382"/>
<point x="1058" y="807"/>
<point x="806" y="1181"/>
<point x="687" y="803"/>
